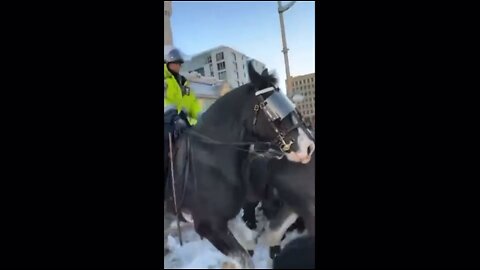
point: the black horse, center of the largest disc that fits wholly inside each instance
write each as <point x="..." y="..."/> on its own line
<point x="298" y="254"/>
<point x="288" y="198"/>
<point x="295" y="185"/>
<point x="209" y="159"/>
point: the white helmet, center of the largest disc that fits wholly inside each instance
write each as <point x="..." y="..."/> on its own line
<point x="173" y="55"/>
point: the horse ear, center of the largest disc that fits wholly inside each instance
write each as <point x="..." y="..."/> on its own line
<point x="260" y="81"/>
<point x="265" y="72"/>
<point x="255" y="78"/>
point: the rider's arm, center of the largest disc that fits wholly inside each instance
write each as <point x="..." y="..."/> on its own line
<point x="171" y="97"/>
<point x="194" y="105"/>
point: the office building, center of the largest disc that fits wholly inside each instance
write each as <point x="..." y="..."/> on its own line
<point x="305" y="86"/>
<point x="223" y="63"/>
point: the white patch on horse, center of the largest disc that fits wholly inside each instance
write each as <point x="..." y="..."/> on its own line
<point x="274" y="237"/>
<point x="243" y="261"/>
<point x="188" y="217"/>
<point x="242" y="233"/>
<point x="305" y="146"/>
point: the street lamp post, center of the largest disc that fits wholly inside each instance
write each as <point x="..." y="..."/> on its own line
<point x="282" y="9"/>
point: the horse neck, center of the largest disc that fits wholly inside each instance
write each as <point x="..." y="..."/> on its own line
<point x="230" y="130"/>
<point x="229" y="126"/>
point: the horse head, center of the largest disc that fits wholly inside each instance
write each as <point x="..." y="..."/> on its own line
<point x="275" y="118"/>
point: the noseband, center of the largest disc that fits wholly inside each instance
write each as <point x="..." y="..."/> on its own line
<point x="277" y="107"/>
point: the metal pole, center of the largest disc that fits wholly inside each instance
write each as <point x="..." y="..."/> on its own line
<point x="282" y="9"/>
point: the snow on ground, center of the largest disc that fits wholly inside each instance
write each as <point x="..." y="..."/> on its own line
<point x="201" y="254"/>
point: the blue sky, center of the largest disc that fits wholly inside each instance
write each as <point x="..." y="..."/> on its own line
<point x="252" y="28"/>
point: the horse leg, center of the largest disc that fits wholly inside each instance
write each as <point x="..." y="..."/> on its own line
<point x="242" y="232"/>
<point x="306" y="210"/>
<point x="249" y="215"/>
<point x="222" y="238"/>
<point x="250" y="220"/>
<point x="276" y="228"/>
<point x="309" y="219"/>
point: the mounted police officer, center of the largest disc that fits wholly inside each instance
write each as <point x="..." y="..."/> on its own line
<point x="180" y="105"/>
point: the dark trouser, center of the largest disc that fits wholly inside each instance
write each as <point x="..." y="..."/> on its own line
<point x="170" y="118"/>
<point x="168" y="128"/>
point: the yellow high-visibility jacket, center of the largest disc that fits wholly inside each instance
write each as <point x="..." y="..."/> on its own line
<point x="174" y="98"/>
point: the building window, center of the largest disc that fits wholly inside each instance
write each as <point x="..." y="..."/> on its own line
<point x="237" y="75"/>
<point x="222" y="75"/>
<point x="209" y="59"/>
<point x="221" y="66"/>
<point x="201" y="71"/>
<point x="234" y="56"/>
<point x="219" y="56"/>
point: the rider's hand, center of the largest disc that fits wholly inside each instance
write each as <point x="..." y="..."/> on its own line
<point x="179" y="126"/>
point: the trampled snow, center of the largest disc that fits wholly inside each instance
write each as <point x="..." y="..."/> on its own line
<point x="197" y="253"/>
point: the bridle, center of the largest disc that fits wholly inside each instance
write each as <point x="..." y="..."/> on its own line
<point x="271" y="107"/>
<point x="275" y="107"/>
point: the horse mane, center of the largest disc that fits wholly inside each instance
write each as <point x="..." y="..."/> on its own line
<point x="230" y="101"/>
<point x="260" y="81"/>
